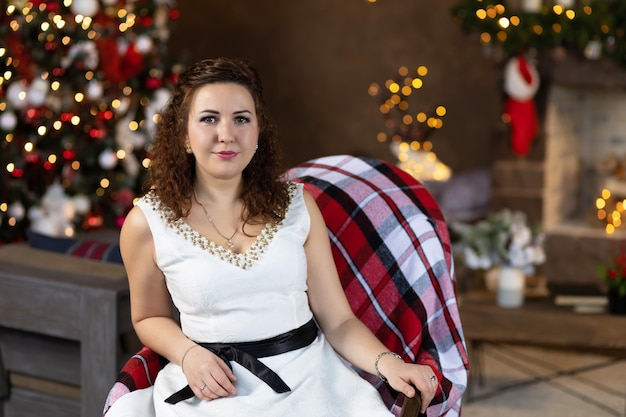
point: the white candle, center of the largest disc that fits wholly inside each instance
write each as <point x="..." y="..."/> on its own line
<point x="511" y="284"/>
<point x="531" y="5"/>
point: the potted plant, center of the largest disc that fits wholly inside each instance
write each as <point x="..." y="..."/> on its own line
<point x="614" y="276"/>
<point x="502" y="240"/>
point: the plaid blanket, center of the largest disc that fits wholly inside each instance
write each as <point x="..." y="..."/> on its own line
<point x="392" y="250"/>
<point x="138" y="373"/>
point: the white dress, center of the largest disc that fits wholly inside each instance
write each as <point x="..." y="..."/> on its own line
<point x="226" y="297"/>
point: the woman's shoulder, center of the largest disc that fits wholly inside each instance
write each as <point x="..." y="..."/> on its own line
<point x="151" y="202"/>
<point x="135" y="225"/>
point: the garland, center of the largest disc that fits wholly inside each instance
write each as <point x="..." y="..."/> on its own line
<point x="594" y="27"/>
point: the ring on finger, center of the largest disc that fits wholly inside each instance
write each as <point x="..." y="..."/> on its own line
<point x="203" y="387"/>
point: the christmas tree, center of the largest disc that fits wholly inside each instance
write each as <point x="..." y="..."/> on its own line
<point x="81" y="85"/>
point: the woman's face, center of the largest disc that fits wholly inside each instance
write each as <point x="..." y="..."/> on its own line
<point x="223" y="130"/>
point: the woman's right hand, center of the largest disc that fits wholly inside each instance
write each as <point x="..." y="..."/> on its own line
<point x="208" y="375"/>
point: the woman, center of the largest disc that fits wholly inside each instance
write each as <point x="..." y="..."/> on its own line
<point x="246" y="259"/>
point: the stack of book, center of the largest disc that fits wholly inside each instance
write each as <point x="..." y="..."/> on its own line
<point x="582" y="298"/>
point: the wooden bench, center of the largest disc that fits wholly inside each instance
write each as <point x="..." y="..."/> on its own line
<point x="63" y="322"/>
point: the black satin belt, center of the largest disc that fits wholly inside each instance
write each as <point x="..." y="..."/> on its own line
<point x="246" y="354"/>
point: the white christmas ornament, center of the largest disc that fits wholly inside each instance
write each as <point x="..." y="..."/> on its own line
<point x="144" y="44"/>
<point x="568" y="4"/>
<point x="531" y="5"/>
<point x="107" y="159"/>
<point x="17" y="210"/>
<point x="16" y="94"/>
<point x="593" y="50"/>
<point x="82" y="204"/>
<point x="85" y="7"/>
<point x="94" y="90"/>
<point x="38" y="92"/>
<point x="8" y="120"/>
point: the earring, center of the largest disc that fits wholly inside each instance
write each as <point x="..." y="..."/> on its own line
<point x="256" y="147"/>
<point x="188" y="147"/>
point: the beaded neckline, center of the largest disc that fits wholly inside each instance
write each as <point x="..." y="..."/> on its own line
<point x="243" y="260"/>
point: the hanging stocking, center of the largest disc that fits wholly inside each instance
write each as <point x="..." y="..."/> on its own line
<point x="521" y="82"/>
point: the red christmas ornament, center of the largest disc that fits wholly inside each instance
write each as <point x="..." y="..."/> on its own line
<point x="17" y="173"/>
<point x="96" y="133"/>
<point x="146" y="21"/>
<point x="105" y="115"/>
<point x="153" y="83"/>
<point x="69" y="154"/>
<point x="132" y="63"/>
<point x="521" y="82"/>
<point x="66" y="117"/>
<point x="58" y="71"/>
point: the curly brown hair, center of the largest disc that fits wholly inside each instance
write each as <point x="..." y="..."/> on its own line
<point x="172" y="170"/>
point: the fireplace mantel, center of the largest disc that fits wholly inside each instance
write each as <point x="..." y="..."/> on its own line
<point x="572" y="70"/>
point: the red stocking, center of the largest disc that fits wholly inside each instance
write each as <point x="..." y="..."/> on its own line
<point x="524" y="121"/>
<point x="521" y="83"/>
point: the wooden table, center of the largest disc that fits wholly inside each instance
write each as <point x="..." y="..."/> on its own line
<point x="61" y="320"/>
<point x="537" y="323"/>
<point x="540" y="323"/>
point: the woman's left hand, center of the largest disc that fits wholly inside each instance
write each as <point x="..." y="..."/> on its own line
<point x="406" y="377"/>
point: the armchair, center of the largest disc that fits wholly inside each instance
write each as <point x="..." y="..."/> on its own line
<point x="392" y="250"/>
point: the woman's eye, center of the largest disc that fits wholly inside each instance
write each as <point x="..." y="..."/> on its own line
<point x="208" y="119"/>
<point x="242" y="119"/>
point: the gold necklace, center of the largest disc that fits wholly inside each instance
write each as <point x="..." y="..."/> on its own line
<point x="229" y="240"/>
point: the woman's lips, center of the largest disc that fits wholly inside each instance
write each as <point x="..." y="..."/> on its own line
<point x="226" y="154"/>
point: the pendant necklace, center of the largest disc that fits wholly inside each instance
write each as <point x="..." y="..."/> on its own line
<point x="229" y="240"/>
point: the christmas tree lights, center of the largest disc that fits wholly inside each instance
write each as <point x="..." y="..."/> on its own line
<point x="408" y="133"/>
<point x="81" y="85"/>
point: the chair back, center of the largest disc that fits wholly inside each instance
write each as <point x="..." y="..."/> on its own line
<point x="391" y="246"/>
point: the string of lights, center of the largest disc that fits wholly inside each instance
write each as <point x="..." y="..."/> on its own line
<point x="408" y="132"/>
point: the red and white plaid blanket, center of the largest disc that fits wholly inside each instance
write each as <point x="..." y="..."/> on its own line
<point x="392" y="250"/>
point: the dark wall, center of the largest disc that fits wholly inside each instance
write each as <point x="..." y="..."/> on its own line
<point x="318" y="57"/>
